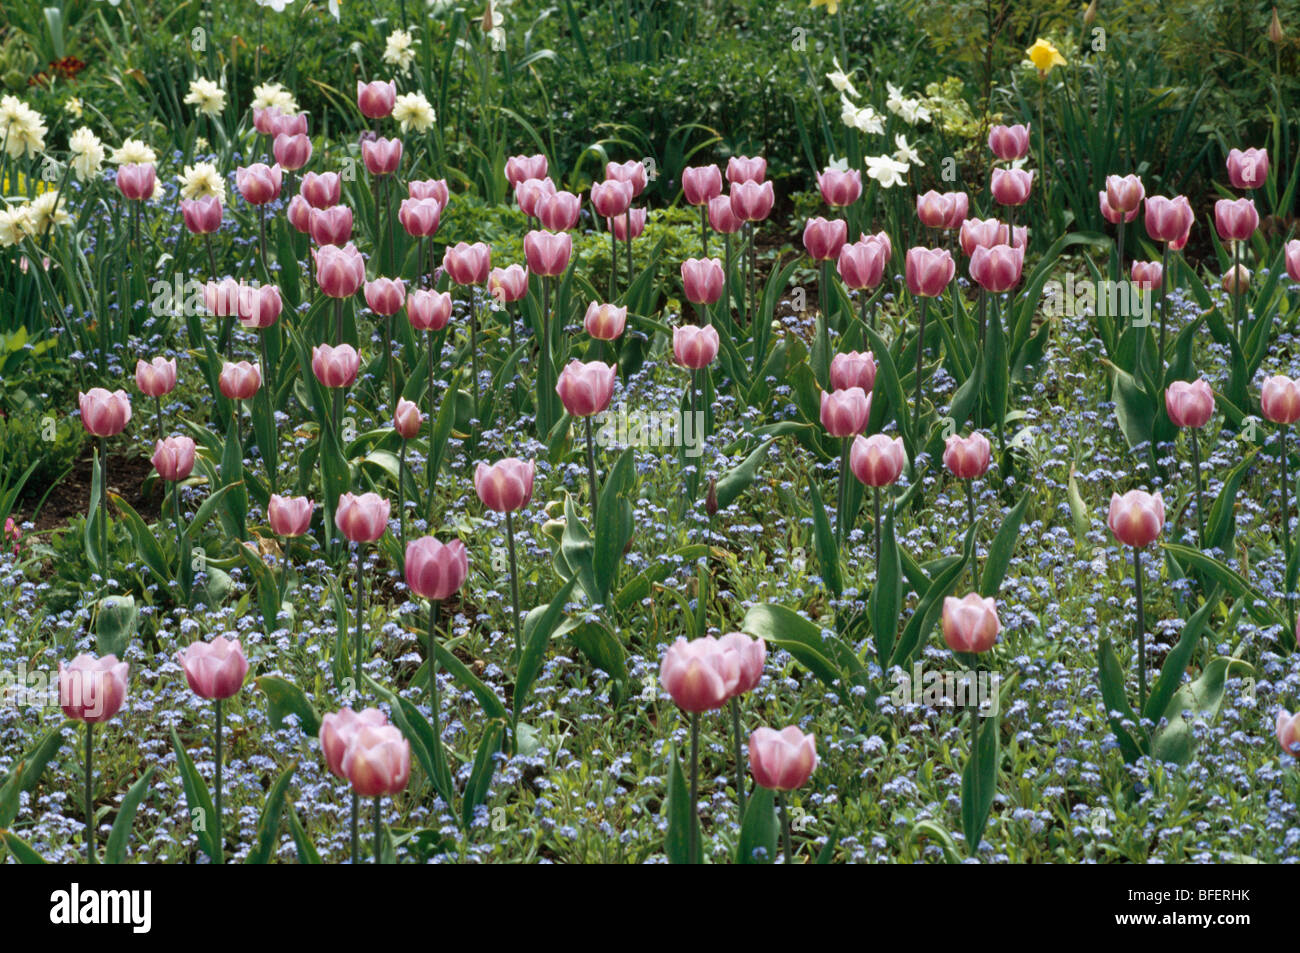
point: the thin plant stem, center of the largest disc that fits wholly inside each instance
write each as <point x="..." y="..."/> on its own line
<point x="740" y="768"/>
<point x="514" y="585"/>
<point x="920" y="351"/>
<point x="591" y="473"/>
<point x="875" y="498"/>
<point x="786" y="839"/>
<point x="90" y="793"/>
<point x="1286" y="521"/>
<point x="221" y="843"/>
<point x="970" y="517"/>
<point x="1141" y="630"/>
<point x="695" y="784"/>
<point x="379" y="830"/>
<point x="1196" y="466"/>
<point x="842" y="504"/>
<point x="401" y="490"/>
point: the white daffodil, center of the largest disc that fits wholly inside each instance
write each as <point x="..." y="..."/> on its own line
<point x="73" y="107"/>
<point x="869" y="121"/>
<point x="413" y="111"/>
<point x="906" y="153"/>
<point x="841" y="80"/>
<point x="201" y="180"/>
<point x="87" y="153"/>
<point x="334" y="9"/>
<point x="22" y="129"/>
<point x="274" y="96"/>
<point x="134" y="152"/>
<point x="839" y="165"/>
<point x="46" y="211"/>
<point x="13" y="225"/>
<point x="206" y="96"/>
<point x="886" y="170"/>
<point x="276" y="5"/>
<point x="399" y="50"/>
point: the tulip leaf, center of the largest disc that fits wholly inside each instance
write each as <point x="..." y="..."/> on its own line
<point x="887" y="594"/>
<point x="115" y="849"/>
<point x="682" y="817"/>
<point x="428" y="749"/>
<point x="578" y="550"/>
<point x="480" y="776"/>
<point x="1256" y="604"/>
<point x="612" y="525"/>
<point x="979" y="780"/>
<point x="833" y="662"/>
<point x="234" y="508"/>
<point x="202" y="814"/>
<point x="1002" y="547"/>
<point x="284" y="698"/>
<point x="758" y="830"/>
<point x="94" y="515"/>
<point x="931" y="604"/>
<point x="21" y="850"/>
<point x="1176" y="742"/>
<point x="1115" y="699"/>
<point x="268" y="825"/>
<point x="538" y="627"/>
<point x="889" y="386"/>
<point x="116" y="618"/>
<point x="1171" y="672"/>
<point x="145" y="542"/>
<point x="307" y="853"/>
<point x="27" y="772"/>
<point x="828" y="551"/>
<point x="740" y="477"/>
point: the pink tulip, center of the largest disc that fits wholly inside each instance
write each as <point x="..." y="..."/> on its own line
<point x="377" y="761"/>
<point x="382" y="156"/>
<point x="967" y="457"/>
<point x="1293" y="259"/>
<point x="751" y="201"/>
<point x="699" y="675"/>
<point x="1249" y="169"/>
<point x="506" y="485"/>
<point x="744" y="169"/>
<point x="721" y="218"/>
<point x="259" y="308"/>
<point x="840" y="189"/>
<point x="619" y="225"/>
<point x="586" y="389"/>
<point x="782" y="760"/>
<point x="338" y="728"/>
<point x="508" y="285"/>
<point x="605" y="322"/>
<point x="934" y="209"/>
<point x="823" y="238"/>
<point x="1189" y="404"/>
<point x="1009" y="143"/>
<point x="93" y="689"/>
<point x="1235" y="221"/>
<point x="435" y="189"/>
<point x="385" y="296"/>
<point x="958" y="212"/>
<point x="299" y="214"/>
<point x="436" y="571"/>
<point x="376" y="99"/>
<point x="104" y="414"/>
<point x="701" y="184"/>
<point x="258" y="183"/>
<point x="862" y="264"/>
<point x="1288" y="731"/>
<point x="262" y="119"/>
<point x="221" y="298"/>
<point x="971" y="623"/>
<point x="853" y="369"/>
<point x="695" y="347"/>
<point x="157" y="378"/>
<point x="239" y="381"/>
<point x="137" y="182"/>
<point x="1146" y="274"/>
<point x="611" y="198"/>
<point x="291" y="152"/>
<point x="321" y="190"/>
<point x="751" y="654"/>
<point x="202" y="216"/>
<point x="980" y="232"/>
<point x="632" y="171"/>
<point x="997" y="268"/>
<point x="1110" y="214"/>
<point x="877" y="460"/>
<point x="362" y="519"/>
<point x="420" y="217"/>
<point x="1236" y="280"/>
<point x="1011" y="186"/>
<point x="1279" y="400"/>
<point x="702" y="280"/>
<point x="468" y="264"/>
<point x="214" y="669"/>
<point x="530" y="193"/>
<point x="289" y="516"/>
<point x="558" y="211"/>
<point x="330" y="226"/>
<point x="521" y="168"/>
<point x="547" y="253"/>
<point x="335" y="366"/>
<point x="845" y="412"/>
<point x="286" y="124"/>
<point x="1168" y="220"/>
<point x="428" y="310"/>
<point x="1124" y="194"/>
<point x="173" y="458"/>
<point x="340" y="272"/>
<point x="1137" y="518"/>
<point x="928" y="271"/>
<point x="407" y="419"/>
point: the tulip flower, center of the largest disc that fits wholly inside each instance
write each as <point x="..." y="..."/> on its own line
<point x="92" y="690"/>
<point x="435" y="189"/>
<point x="376" y="99"/>
<point x="1235" y="220"/>
<point x="1189" y="405"/>
<point x="997" y="268"/>
<point x="258" y="183"/>
<point x="530" y="193"/>
<point x="340" y="272"/>
<point x="877" y="461"/>
<point x="547" y="253"/>
<point x="381" y="156"/>
<point x="331" y="226"/>
<point x="1280" y="403"/>
<point x="746" y="169"/>
<point x="259" y="308"/>
<point x="321" y="190"/>
<point x="611" y="198"/>
<point x="469" y="265"/>
<point x="934" y="209"/>
<point x="506" y="486"/>
<point x="586" y="390"/>
<point x="137" y="182"/>
<point x="967" y="458"/>
<point x="104" y="414"/>
<point x="695" y="347"/>
<point x="853" y="369"/>
<point x="173" y="458"/>
<point x="1168" y="220"/>
<point x="335" y="366"/>
<point x="782" y="761"/>
<point x="1009" y="143"/>
<point x="156" y="379"/>
<point x="722" y="219"/>
<point x="558" y="211"/>
<point x="605" y="322"/>
<point x="240" y="380"/>
<point x="337" y="730"/>
<point x="289" y="516"/>
<point x="291" y="152"/>
<point x="928" y="272"/>
<point x="701" y="184"/>
<point x="823" y="238"/>
<point x="840" y="189"/>
<point x="1124" y="194"/>
<point x="751" y="655"/>
<point x="361" y="519"/>
<point x="844" y="414"/>
<point x="634" y="219"/>
<point x="1147" y="275"/>
<point x="1248" y="169"/>
<point x="1292" y="255"/>
<point x="202" y="216"/>
<point x="521" y="168"/>
<point x="420" y="217"/>
<point x="377" y="763"/>
<point x="1137" y="519"/>
<point x="970" y="624"/>
<point x="1288" y="732"/>
<point x="1011" y="186"/>
<point x="436" y="572"/>
<point x="702" y="281"/>
<point x="752" y="201"/>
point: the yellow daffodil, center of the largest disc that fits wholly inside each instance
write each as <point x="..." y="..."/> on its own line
<point x="832" y="6"/>
<point x="1044" y="56"/>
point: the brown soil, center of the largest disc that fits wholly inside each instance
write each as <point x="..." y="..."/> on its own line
<point x="71" y="495"/>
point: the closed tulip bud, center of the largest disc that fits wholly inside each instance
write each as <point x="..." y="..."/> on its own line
<point x="407" y="419"/>
<point x="214" y="669"/>
<point x="221" y="298"/>
<point x="1137" y="518"/>
<point x="933" y="209"/>
<point x="428" y="310"/>
<point x="385" y="296"/>
<point x="93" y="689"/>
<point x="711" y="498"/>
<point x="632" y="171"/>
<point x="362" y="519"/>
<point x="1012" y="186"/>
<point x="338" y="728"/>
<point x="586" y="389"/>
<point x="1292" y="255"/>
<point x="377" y="761"/>
<point x="862" y="264"/>
<point x="507" y="285"/>
<point x="745" y="169"/>
<point x="980" y="233"/>
<point x="752" y="201"/>
<point x="701" y="184"/>
<point x="521" y="168"/>
<point x="1009" y="143"/>
<point x="558" y="211"/>
<point x="721" y="218"/>
<point x="750" y="653"/>
<point x="530" y="192"/>
<point x="997" y="268"/>
<point x="958" y="210"/>
<point x="853" y="369"/>
<point x="1236" y="280"/>
<point x="1189" y="404"/>
<point x="1147" y="275"/>
<point x="506" y="485"/>
<point x="1110" y="214"/>
<point x="1090" y="14"/>
<point x="287" y="124"/>
<point x="468" y="264"/>
<point x="971" y="623"/>
<point x="1124" y="194"/>
<point x="1235" y="221"/>
<point x="420" y="217"/>
<point x="299" y="214"/>
<point x="699" y="675"/>
<point x="340" y="272"/>
<point x="877" y="460"/>
<point x="695" y="347"/>
<point x="202" y="216"/>
<point x="967" y="457"/>
<point x="136" y="182"/>
<point x="258" y="183"/>
<point x="376" y="99"/>
<point x="104" y="414"/>
<point x="1279" y="400"/>
<point x="240" y="380"/>
<point x="291" y="152"/>
<point x="289" y="516"/>
<point x="330" y="226"/>
<point x="259" y="308"/>
<point x="1248" y="169"/>
<point x="321" y="190"/>
<point x="1288" y="725"/>
<point x="436" y="571"/>
<point x="157" y="378"/>
<point x="605" y="322"/>
<point x="840" y="189"/>
<point x="845" y="412"/>
<point x="262" y="119"/>
<point x="382" y="156"/>
<point x="173" y="458"/>
<point x="702" y="280"/>
<point x="782" y="760"/>
<point x="611" y="198"/>
<point x="1276" y="35"/>
<point x="619" y="225"/>
<point x="335" y="366"/>
<point x="1168" y="220"/>
<point x="928" y="271"/>
<point x="548" y="253"/>
<point x="435" y="189"/>
<point x="824" y="238"/>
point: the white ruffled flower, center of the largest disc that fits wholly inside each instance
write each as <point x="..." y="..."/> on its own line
<point x="399" y="50"/>
<point x="201" y="180"/>
<point x="87" y="153"/>
<point x="206" y="96"/>
<point x="134" y="152"/>
<point x="274" y="96"/>
<point x="46" y="211"/>
<point x="13" y="225"/>
<point x="413" y="111"/>
<point x="887" y="170"/>
<point x="22" y="129"/>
